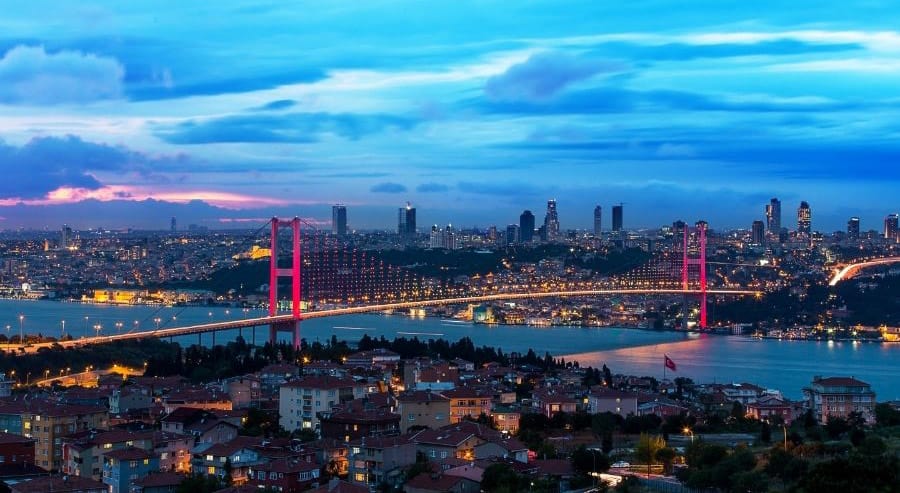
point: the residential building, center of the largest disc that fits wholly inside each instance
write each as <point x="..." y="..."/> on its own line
<point x="16" y="449"/>
<point x="379" y="459"/>
<point x="506" y="419"/>
<point x="301" y="400"/>
<point x="124" y="466"/>
<point x="619" y="402"/>
<point x="238" y="454"/>
<point x="158" y="482"/>
<point x="422" y="409"/>
<point x="467" y="402"/>
<point x="837" y="397"/>
<point x="284" y="475"/>
<point x="47" y="422"/>
<point x="551" y="402"/>
<point x="358" y="419"/>
<point x="59" y="484"/>
<point x="82" y="453"/>
<point x="770" y="408"/>
<point x="442" y="483"/>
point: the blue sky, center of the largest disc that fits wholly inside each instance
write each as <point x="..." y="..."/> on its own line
<point x="121" y="114"/>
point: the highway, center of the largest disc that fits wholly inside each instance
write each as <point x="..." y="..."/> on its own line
<point x="851" y="269"/>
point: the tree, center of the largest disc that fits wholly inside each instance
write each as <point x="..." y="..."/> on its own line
<point x="647" y="449"/>
<point x="589" y="460"/>
<point x="666" y="455"/>
<point x="765" y="433"/>
<point x="886" y="415"/>
<point x="836" y="426"/>
<point x="498" y="476"/>
<point x="228" y="468"/>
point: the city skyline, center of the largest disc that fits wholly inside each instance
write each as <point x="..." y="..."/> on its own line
<point x="124" y="115"/>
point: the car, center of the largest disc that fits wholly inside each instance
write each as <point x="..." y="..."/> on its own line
<point x="621" y="464"/>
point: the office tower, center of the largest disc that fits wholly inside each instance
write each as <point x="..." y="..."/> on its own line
<point x="617" y="218"/>
<point x="758" y="233"/>
<point x="804" y="218"/>
<point x="526" y="227"/>
<point x="443" y="238"/>
<point x="65" y="236"/>
<point x="773" y="216"/>
<point x="853" y="228"/>
<point x="172" y="224"/>
<point x="406" y="221"/>
<point x="598" y="221"/>
<point x="339" y="220"/>
<point x="512" y="234"/>
<point x="551" y="221"/>
<point x="891" y="227"/>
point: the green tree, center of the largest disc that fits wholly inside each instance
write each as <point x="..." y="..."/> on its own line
<point x="666" y="455"/>
<point x="647" y="448"/>
<point x="500" y="477"/>
<point x="886" y="415"/>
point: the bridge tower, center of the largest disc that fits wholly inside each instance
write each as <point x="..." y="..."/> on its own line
<point x="293" y="272"/>
<point x="700" y="260"/>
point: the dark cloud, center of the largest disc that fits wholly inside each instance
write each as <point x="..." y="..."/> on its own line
<point x="31" y="75"/>
<point x="295" y="128"/>
<point x="47" y="163"/>
<point x="432" y="188"/>
<point x="388" y="187"/>
<point x="280" y="104"/>
<point x="542" y="76"/>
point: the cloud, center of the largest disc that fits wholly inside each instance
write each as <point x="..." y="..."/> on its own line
<point x="388" y="187"/>
<point x="542" y="76"/>
<point x="30" y="75"/>
<point x="432" y="188"/>
<point x="46" y="164"/>
<point x="678" y="51"/>
<point x="280" y="104"/>
<point x="297" y="128"/>
<point x="171" y="87"/>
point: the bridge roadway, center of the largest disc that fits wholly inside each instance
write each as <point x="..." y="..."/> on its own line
<point x="278" y="319"/>
<point x="851" y="269"/>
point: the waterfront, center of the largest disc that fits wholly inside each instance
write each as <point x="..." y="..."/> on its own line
<point x="785" y="365"/>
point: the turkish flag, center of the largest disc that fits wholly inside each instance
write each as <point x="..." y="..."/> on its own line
<point x="669" y="363"/>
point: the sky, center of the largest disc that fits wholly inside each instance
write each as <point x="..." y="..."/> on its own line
<point x="124" y="114"/>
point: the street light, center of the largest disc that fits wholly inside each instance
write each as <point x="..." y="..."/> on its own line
<point x="687" y="430"/>
<point x="62" y="334"/>
<point x="22" y="329"/>
<point x="157" y="320"/>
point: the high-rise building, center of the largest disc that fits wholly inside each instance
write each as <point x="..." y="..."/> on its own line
<point x="804" y="219"/>
<point x="406" y="221"/>
<point x="65" y="236"/>
<point x="758" y="233"/>
<point x="339" y="220"/>
<point x="512" y="234"/>
<point x="526" y="227"/>
<point x="443" y="238"/>
<point x="598" y="221"/>
<point x="773" y="216"/>
<point x="891" y="227"/>
<point x="551" y="221"/>
<point x="617" y="218"/>
<point x="853" y="228"/>
<point x="172" y="224"/>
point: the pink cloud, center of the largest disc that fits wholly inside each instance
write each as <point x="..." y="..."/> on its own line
<point x="68" y="195"/>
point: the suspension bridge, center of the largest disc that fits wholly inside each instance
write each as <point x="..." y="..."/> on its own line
<point x="324" y="272"/>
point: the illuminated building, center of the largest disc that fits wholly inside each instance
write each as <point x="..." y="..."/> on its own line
<point x="526" y="227"/>
<point x="512" y="234"/>
<point x="837" y="397"/>
<point x="773" y="216"/>
<point x="172" y="224"/>
<point x="598" y="221"/>
<point x="891" y="227"/>
<point x="551" y="221"/>
<point x="406" y="221"/>
<point x="853" y="229"/>
<point x="757" y="233"/>
<point x="65" y="236"/>
<point x="339" y="220"/>
<point x="804" y="219"/>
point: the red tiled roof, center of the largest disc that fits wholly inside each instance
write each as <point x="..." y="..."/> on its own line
<point x="434" y="482"/>
<point x="6" y="438"/>
<point x="159" y="479"/>
<point x="324" y="382"/>
<point x="58" y="484"/>
<point x="339" y="486"/>
<point x="130" y="453"/>
<point x="840" y="382"/>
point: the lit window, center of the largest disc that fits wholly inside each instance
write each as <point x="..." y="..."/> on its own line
<point x="211" y="470"/>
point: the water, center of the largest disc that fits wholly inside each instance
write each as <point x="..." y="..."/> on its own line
<point x="784" y="365"/>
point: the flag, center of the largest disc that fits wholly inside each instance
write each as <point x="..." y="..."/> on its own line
<point x="669" y="363"/>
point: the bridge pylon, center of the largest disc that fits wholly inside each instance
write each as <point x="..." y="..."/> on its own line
<point x="293" y="272"/>
<point x="699" y="260"/>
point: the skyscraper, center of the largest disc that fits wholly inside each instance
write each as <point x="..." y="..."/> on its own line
<point x="758" y="233"/>
<point x="773" y="216"/>
<point x="853" y="228"/>
<point x="406" y="221"/>
<point x="598" y="221"/>
<point x="526" y="227"/>
<point x="891" y="227"/>
<point x="512" y="234"/>
<point x="339" y="220"/>
<point x="804" y="219"/>
<point x="551" y="221"/>
<point x="617" y="218"/>
<point x="65" y="236"/>
<point x="172" y="225"/>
